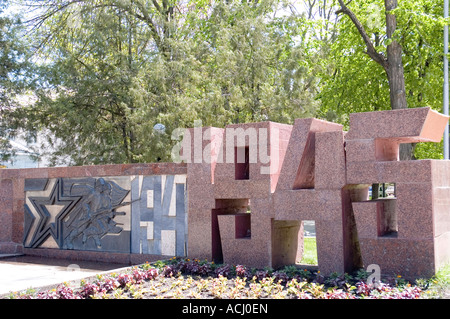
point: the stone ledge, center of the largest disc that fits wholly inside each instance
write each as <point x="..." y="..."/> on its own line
<point x="96" y="256"/>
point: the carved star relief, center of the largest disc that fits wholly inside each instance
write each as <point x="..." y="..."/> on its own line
<point x="52" y="210"/>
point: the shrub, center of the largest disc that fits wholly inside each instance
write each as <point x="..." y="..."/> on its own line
<point x="242" y="271"/>
<point x="281" y="277"/>
<point x="224" y="271"/>
<point x="138" y="275"/>
<point x="124" y="279"/>
<point x="107" y="285"/>
<point x="289" y="282"/>
<point x="261" y="274"/>
<point x="151" y="273"/>
<point x="88" y="290"/>
<point x="170" y="271"/>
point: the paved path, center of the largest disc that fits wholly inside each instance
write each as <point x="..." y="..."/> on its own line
<point x="23" y="272"/>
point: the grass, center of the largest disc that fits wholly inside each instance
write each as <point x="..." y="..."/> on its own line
<point x="438" y="287"/>
<point x="309" y="251"/>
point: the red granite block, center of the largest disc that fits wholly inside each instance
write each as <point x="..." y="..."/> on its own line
<point x="389" y="172"/>
<point x="325" y="207"/>
<point x="227" y="226"/>
<point x="263" y="206"/>
<point x="370" y="150"/>
<point x="34" y="173"/>
<point x="200" y="224"/>
<point x="242" y="189"/>
<point x="441" y="204"/>
<point x="235" y="241"/>
<point x="18" y="189"/>
<point x="442" y="250"/>
<point x="6" y="188"/>
<point x="330" y="160"/>
<point x="330" y="245"/>
<point x="9" y="173"/>
<point x="366" y="214"/>
<point x="199" y="174"/>
<point x="200" y="238"/>
<point x="295" y="204"/>
<point x="18" y="210"/>
<point x="409" y="258"/>
<point x="201" y="148"/>
<point x="415" y="210"/>
<point x="236" y="251"/>
<point x="360" y="150"/>
<point x="104" y="170"/>
<point x="280" y="135"/>
<point x="406" y="125"/>
<point x="261" y="226"/>
<point x="298" y="165"/>
<point x="200" y="228"/>
<point x="441" y="173"/>
<point x="6" y="210"/>
<point x="266" y="143"/>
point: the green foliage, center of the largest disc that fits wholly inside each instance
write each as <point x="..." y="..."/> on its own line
<point x="355" y="83"/>
<point x="14" y="74"/>
<point x="110" y="73"/>
<point x="437" y="287"/>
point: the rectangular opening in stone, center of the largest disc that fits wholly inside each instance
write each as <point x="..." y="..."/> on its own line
<point x="243" y="225"/>
<point x="309" y="256"/>
<point x="287" y="240"/>
<point x="382" y="190"/>
<point x="387" y="218"/>
<point x="241" y="163"/>
<point x="232" y="206"/>
<point x="385" y="196"/>
<point x="294" y="244"/>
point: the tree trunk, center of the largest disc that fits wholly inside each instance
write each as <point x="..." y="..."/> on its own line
<point x="392" y="64"/>
<point x="396" y="77"/>
<point x="395" y="72"/>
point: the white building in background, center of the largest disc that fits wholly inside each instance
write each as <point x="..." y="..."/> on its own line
<point x="24" y="156"/>
<point x="35" y="153"/>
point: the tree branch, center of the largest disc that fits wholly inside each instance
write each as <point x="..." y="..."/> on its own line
<point x="371" y="51"/>
<point x="157" y="6"/>
<point x="147" y="19"/>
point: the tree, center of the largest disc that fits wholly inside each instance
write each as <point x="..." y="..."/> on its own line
<point x="392" y="63"/>
<point x="260" y="68"/>
<point x="406" y="45"/>
<point x="112" y="70"/>
<point x="14" y="74"/>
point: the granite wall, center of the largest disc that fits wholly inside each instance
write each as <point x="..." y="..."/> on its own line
<point x="242" y="196"/>
<point x="251" y="211"/>
<point x="106" y="212"/>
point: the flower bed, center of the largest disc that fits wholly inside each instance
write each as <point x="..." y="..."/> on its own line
<point x="184" y="278"/>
